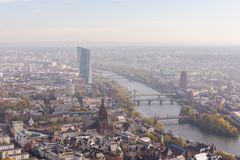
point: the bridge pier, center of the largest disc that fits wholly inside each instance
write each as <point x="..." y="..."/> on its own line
<point x="171" y="102"/>
<point x="149" y="102"/>
<point x="160" y="102"/>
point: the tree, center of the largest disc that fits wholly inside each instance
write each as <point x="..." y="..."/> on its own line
<point x="179" y="141"/>
<point x="210" y="122"/>
<point x="136" y="114"/>
<point x="153" y="137"/>
<point x="226" y="155"/>
<point x="149" y="121"/>
<point x="167" y="138"/>
<point x="66" y="120"/>
<point x="55" y="128"/>
<point x="186" y="111"/>
<point x="17" y="118"/>
<point x="159" y="126"/>
<point x="26" y="100"/>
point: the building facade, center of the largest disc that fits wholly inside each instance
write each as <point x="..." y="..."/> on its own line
<point x="8" y="150"/>
<point x="69" y="88"/>
<point x="84" y="64"/>
<point x="17" y="126"/>
<point x="102" y="118"/>
<point x="183" y="80"/>
<point x="4" y="139"/>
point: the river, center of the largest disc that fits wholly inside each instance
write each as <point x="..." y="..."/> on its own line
<point x="186" y="131"/>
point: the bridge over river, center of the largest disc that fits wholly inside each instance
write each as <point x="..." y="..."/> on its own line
<point x="171" y="111"/>
<point x="139" y="97"/>
<point x="171" y="117"/>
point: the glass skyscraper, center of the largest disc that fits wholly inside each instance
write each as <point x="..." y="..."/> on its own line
<point x="84" y="64"/>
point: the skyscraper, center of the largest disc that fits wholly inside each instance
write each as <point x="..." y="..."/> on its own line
<point x="84" y="64"/>
<point x="183" y="80"/>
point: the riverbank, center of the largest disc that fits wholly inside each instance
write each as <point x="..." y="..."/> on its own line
<point x="121" y="96"/>
<point x="147" y="79"/>
<point x="122" y="99"/>
<point x="141" y="77"/>
<point x="210" y="122"/>
<point x="187" y="131"/>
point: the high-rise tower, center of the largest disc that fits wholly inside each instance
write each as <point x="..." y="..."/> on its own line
<point x="183" y="80"/>
<point x="84" y="64"/>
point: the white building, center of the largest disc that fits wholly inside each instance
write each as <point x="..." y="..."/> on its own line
<point x="21" y="156"/>
<point x="4" y="139"/>
<point x="121" y="119"/>
<point x="200" y="156"/>
<point x="236" y="115"/>
<point x="7" y="150"/>
<point x="24" y="137"/>
<point x="17" y="126"/>
<point x="6" y="146"/>
<point x="69" y="88"/>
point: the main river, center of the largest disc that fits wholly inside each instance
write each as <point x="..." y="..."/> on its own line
<point x="231" y="145"/>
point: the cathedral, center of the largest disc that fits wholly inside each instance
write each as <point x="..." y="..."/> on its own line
<point x="102" y="118"/>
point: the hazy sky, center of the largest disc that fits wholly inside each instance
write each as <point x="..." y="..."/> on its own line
<point x="161" y="21"/>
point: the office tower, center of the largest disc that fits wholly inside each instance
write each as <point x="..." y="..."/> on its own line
<point x="84" y="64"/>
<point x="69" y="88"/>
<point x="183" y="80"/>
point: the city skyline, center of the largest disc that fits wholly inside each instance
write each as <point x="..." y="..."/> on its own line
<point x="119" y="80"/>
<point x="154" y="21"/>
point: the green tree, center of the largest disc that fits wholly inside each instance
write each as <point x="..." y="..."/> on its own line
<point x="149" y="121"/>
<point x="226" y="155"/>
<point x="167" y="138"/>
<point x="179" y="141"/>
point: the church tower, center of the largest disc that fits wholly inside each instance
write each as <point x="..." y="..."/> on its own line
<point x="102" y="118"/>
<point x="161" y="147"/>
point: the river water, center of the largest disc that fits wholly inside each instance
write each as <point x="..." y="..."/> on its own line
<point x="187" y="131"/>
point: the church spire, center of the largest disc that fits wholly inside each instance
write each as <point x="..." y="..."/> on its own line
<point x="102" y="118"/>
<point x="161" y="146"/>
<point x="162" y="139"/>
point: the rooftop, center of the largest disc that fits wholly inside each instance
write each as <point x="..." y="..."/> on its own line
<point x="25" y="133"/>
<point x="237" y="113"/>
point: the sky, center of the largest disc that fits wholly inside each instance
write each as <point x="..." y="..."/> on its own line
<point x="137" y="21"/>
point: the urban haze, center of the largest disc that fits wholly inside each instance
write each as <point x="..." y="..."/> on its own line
<point x="119" y="80"/>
